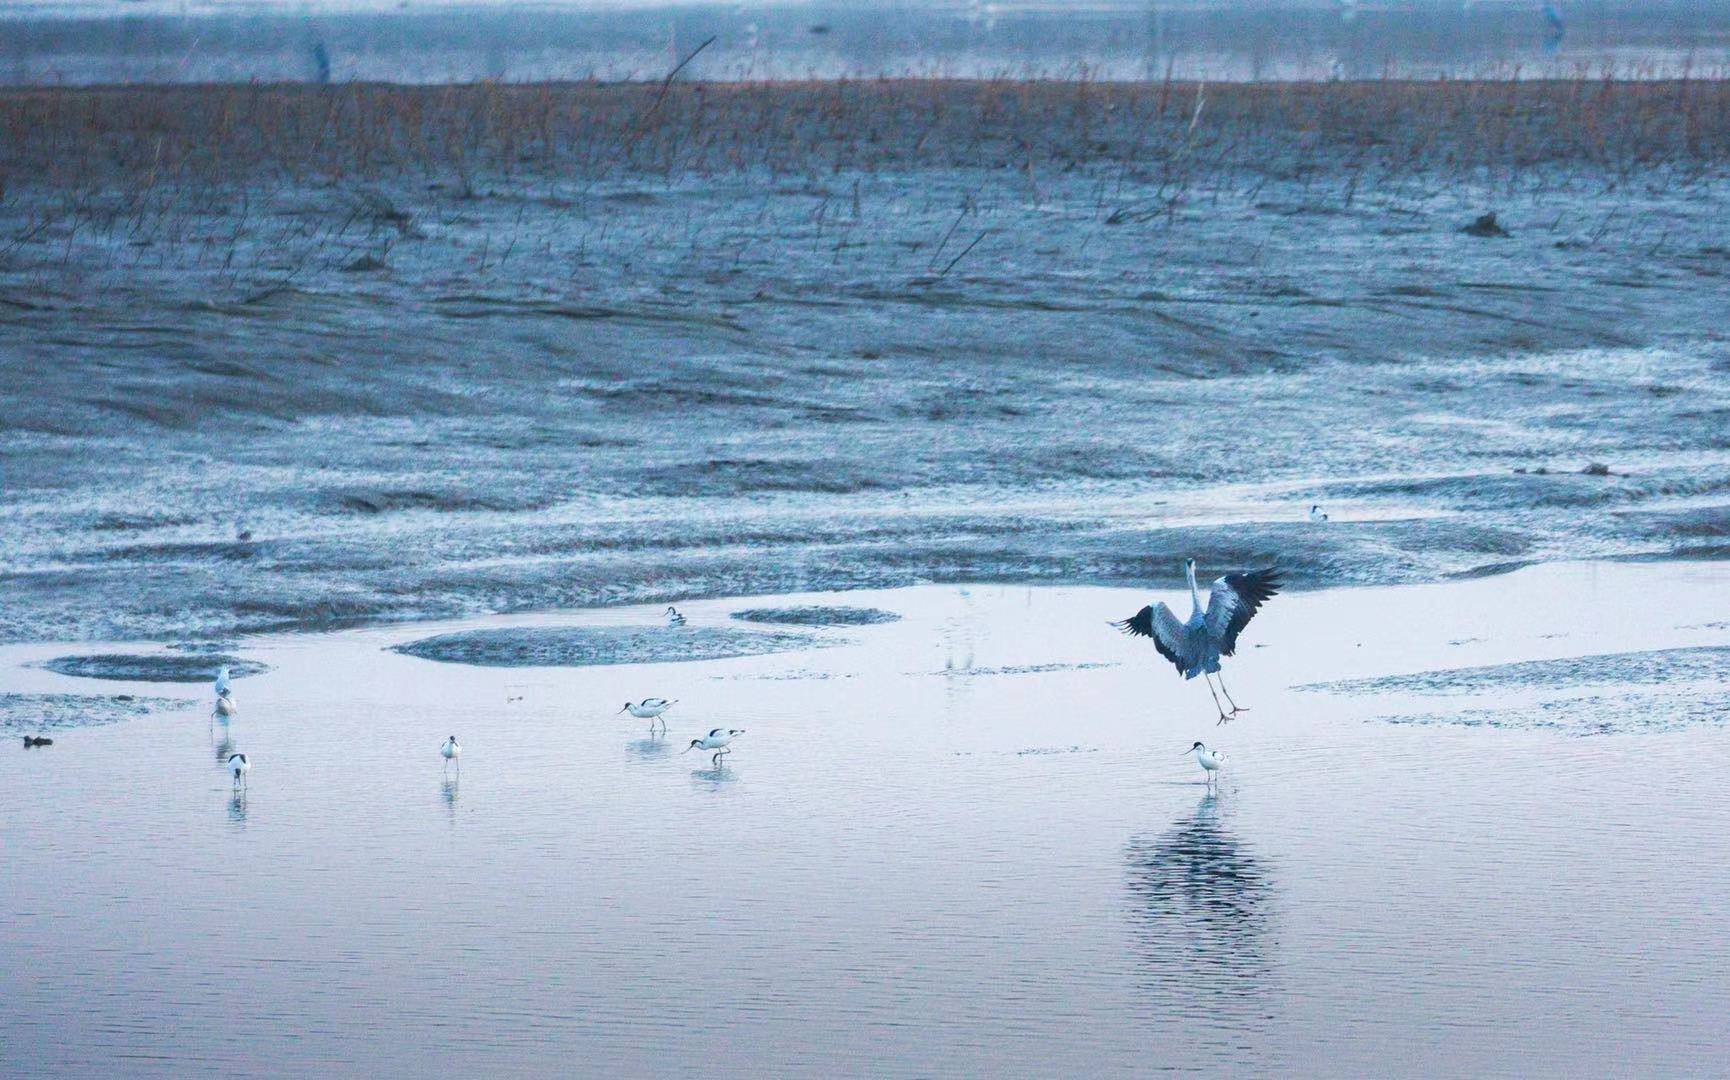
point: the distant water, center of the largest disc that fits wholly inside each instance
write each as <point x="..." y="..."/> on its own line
<point x="1011" y="870"/>
<point x="100" y="41"/>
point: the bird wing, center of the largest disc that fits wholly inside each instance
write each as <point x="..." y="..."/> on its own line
<point x="1156" y="621"/>
<point x="1233" y="602"/>
<point x="650" y="703"/>
<point x="717" y="731"/>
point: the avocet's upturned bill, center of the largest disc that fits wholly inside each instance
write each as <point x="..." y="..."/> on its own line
<point x="1194" y="647"/>
<point x="450" y="751"/>
<point x="717" y="740"/>
<point x="650" y="708"/>
<point x="238" y="767"/>
<point x="1210" y="759"/>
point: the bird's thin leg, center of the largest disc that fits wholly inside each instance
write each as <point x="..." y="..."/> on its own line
<point x="1235" y="707"/>
<point x="1223" y="717"/>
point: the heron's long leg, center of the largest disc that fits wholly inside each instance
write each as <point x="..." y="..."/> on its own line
<point x="1235" y="707"/>
<point x="1222" y="713"/>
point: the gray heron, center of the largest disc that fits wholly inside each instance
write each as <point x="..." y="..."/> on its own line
<point x="1194" y="647"/>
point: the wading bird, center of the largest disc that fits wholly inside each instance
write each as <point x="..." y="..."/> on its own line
<point x="650" y="709"/>
<point x="222" y="680"/>
<point x="450" y="751"/>
<point x="1210" y="760"/>
<point x="1316" y="513"/>
<point x="674" y="618"/>
<point x="225" y="705"/>
<point x="717" y="741"/>
<point x="238" y="767"/>
<point x="1194" y="647"/>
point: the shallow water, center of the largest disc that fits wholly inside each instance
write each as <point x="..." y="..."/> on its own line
<point x="961" y="842"/>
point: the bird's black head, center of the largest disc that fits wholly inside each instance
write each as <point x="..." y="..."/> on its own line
<point x="625" y="706"/>
<point x="453" y="740"/>
<point x="695" y="744"/>
<point x="1197" y="746"/>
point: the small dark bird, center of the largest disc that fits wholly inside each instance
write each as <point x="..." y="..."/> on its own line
<point x="37" y="740"/>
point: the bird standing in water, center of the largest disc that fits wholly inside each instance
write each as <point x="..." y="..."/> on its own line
<point x="238" y="767"/>
<point x="225" y="705"/>
<point x="674" y="618"/>
<point x="1210" y="760"/>
<point x="716" y="740"/>
<point x="650" y="709"/>
<point x="1194" y="647"/>
<point x="1316" y="514"/>
<point x="450" y="751"/>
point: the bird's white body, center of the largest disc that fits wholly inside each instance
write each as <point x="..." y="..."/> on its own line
<point x="1316" y="514"/>
<point x="1209" y="759"/>
<point x="450" y="751"/>
<point x="222" y="680"/>
<point x="716" y="741"/>
<point x="649" y="708"/>
<point x="225" y="704"/>
<point x="238" y="767"/>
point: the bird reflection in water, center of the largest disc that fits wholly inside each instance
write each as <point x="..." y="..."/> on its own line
<point x="449" y="789"/>
<point x="650" y="749"/>
<point x="1199" y="910"/>
<point x="714" y="778"/>
<point x="237" y="807"/>
<point x="222" y="741"/>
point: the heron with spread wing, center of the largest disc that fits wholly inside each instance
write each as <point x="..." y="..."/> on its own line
<point x="1194" y="647"/>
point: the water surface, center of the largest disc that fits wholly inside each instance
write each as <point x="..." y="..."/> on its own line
<point x="963" y="842"/>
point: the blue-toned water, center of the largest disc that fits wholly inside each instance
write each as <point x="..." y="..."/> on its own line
<point x="104" y="41"/>
<point x="962" y="842"/>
